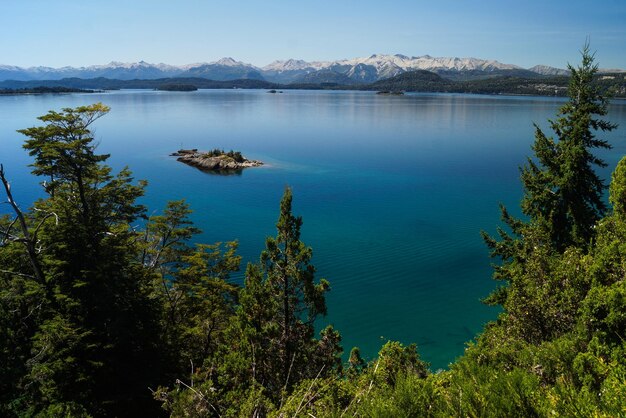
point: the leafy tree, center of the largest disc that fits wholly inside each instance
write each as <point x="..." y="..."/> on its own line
<point x="87" y="326"/>
<point x="204" y="300"/>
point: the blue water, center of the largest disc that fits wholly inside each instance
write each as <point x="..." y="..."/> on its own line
<point x="393" y="190"/>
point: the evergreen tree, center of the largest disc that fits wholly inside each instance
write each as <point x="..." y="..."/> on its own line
<point x="270" y="346"/>
<point x="563" y="195"/>
<point x="290" y="276"/>
<point x="87" y="326"/>
<point x="95" y="311"/>
<point x="279" y="305"/>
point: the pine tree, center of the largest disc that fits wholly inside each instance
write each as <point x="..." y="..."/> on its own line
<point x="270" y="345"/>
<point x="563" y="193"/>
<point x="563" y="201"/>
<point x="286" y="262"/>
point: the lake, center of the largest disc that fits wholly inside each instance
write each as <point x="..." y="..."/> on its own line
<point x="393" y="190"/>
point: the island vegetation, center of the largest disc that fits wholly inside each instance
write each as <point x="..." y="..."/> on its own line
<point x="390" y="93"/>
<point x="104" y="315"/>
<point x="43" y="90"/>
<point x="177" y="87"/>
<point x="216" y="160"/>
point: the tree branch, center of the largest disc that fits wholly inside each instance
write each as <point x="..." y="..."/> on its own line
<point x="28" y="241"/>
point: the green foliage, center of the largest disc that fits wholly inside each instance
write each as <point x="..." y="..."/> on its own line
<point x="563" y="201"/>
<point x="289" y="278"/>
<point x="356" y="364"/>
<point x="395" y="359"/>
<point x="617" y="195"/>
<point x="93" y="305"/>
<point x="43" y="90"/>
<point x="411" y="396"/>
<point x="204" y="298"/>
<point x="93" y="312"/>
<point x="563" y="193"/>
<point x="558" y="347"/>
<point x="217" y="152"/>
<point x="267" y="350"/>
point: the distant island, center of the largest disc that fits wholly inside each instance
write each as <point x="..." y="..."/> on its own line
<point x="216" y="161"/>
<point x="43" y="90"/>
<point x="390" y="93"/>
<point x="177" y="87"/>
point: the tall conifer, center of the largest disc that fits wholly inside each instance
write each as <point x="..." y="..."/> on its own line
<point x="563" y="195"/>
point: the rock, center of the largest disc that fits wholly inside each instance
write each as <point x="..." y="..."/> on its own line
<point x="184" y="152"/>
<point x="215" y="162"/>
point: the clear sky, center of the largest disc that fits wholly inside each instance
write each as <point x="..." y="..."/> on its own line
<point x="524" y="32"/>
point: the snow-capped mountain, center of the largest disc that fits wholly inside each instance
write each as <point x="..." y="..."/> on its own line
<point x="356" y="70"/>
<point x="117" y="70"/>
<point x="380" y="66"/>
<point x="547" y="70"/>
<point x="223" y="69"/>
<point x="426" y="62"/>
<point x="611" y="70"/>
<point x="292" y="65"/>
<point x="229" y="62"/>
<point x="11" y="72"/>
<point x="291" y="70"/>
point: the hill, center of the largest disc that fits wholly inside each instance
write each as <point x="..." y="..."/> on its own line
<point x="110" y="84"/>
<point x="420" y="80"/>
<point x="612" y="84"/>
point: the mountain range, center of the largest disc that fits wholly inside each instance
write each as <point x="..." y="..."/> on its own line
<point x="349" y="71"/>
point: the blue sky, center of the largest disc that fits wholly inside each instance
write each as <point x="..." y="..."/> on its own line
<point x="74" y="32"/>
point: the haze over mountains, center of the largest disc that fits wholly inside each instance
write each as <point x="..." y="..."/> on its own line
<point x="358" y="70"/>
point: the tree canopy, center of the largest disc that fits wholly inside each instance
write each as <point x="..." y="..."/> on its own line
<point x="105" y="311"/>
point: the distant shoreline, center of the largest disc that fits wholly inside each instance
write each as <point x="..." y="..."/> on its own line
<point x="44" y="90"/>
<point x="415" y="81"/>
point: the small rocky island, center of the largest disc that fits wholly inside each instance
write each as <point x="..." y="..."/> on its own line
<point x="390" y="93"/>
<point x="216" y="161"/>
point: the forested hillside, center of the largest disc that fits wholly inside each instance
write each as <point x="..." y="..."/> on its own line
<point x="503" y="82"/>
<point x="106" y="311"/>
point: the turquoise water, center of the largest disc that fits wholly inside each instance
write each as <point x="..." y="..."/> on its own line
<point x="393" y="190"/>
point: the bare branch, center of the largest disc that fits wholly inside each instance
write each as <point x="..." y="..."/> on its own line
<point x="180" y="382"/>
<point x="287" y="379"/>
<point x="48" y="215"/>
<point x="18" y="274"/>
<point x="307" y="392"/>
<point x="7" y="233"/>
<point x="29" y="243"/>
